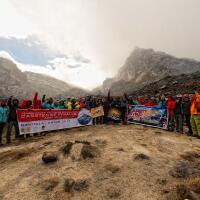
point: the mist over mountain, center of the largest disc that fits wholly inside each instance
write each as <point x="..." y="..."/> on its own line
<point x="33" y="54"/>
<point x="145" y="66"/>
<point x="24" y="84"/>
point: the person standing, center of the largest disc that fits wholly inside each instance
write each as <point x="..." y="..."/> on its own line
<point x="170" y="112"/>
<point x="187" y="113"/>
<point x="3" y="118"/>
<point x="13" y="105"/>
<point x="178" y="111"/>
<point x="195" y="113"/>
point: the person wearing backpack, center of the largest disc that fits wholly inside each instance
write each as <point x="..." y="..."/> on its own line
<point x="195" y="114"/>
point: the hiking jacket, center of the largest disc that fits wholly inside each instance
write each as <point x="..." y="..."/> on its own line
<point x="178" y="110"/>
<point x="170" y="107"/>
<point x="186" y="107"/>
<point x="12" y="113"/>
<point x="69" y="105"/>
<point x="194" y="105"/>
<point x="46" y="105"/>
<point x="23" y="105"/>
<point x="37" y="103"/>
<point x="161" y="105"/>
<point x="3" y="114"/>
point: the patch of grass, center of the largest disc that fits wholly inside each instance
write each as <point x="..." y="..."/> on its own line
<point x="188" y="189"/>
<point x="83" y="128"/>
<point x="14" y="155"/>
<point x="190" y="156"/>
<point x="50" y="184"/>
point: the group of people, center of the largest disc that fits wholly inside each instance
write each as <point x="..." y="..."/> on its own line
<point x="179" y="109"/>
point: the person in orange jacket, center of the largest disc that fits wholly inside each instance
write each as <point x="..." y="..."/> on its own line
<point x="195" y="113"/>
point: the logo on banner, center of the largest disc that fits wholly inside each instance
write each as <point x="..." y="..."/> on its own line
<point x="97" y="112"/>
<point x="84" y="117"/>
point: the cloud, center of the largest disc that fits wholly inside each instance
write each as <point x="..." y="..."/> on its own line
<point x="106" y="31"/>
<point x="31" y="54"/>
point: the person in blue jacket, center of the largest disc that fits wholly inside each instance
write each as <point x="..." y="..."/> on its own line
<point x="161" y="103"/>
<point x="3" y="118"/>
<point x="47" y="103"/>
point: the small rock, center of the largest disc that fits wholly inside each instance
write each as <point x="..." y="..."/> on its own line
<point x="163" y="87"/>
<point x="81" y="185"/>
<point x="69" y="185"/>
<point x="121" y="149"/>
<point x="175" y="82"/>
<point x="49" y="157"/>
<point x="89" y="151"/>
<point x="112" y="168"/>
<point x="141" y="156"/>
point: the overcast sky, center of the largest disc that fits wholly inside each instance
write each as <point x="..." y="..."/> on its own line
<point x="106" y="31"/>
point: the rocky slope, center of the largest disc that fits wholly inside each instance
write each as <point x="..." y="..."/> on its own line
<point x="171" y="85"/>
<point x="145" y="66"/>
<point x="14" y="82"/>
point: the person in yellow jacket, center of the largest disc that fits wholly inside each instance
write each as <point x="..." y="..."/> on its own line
<point x="77" y="105"/>
<point x="69" y="104"/>
<point x="195" y="114"/>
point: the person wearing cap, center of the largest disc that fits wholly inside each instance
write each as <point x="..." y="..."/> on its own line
<point x="178" y="111"/>
<point x="187" y="113"/>
<point x="195" y="113"/>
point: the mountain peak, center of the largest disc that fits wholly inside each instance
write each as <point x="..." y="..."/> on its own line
<point x="145" y="66"/>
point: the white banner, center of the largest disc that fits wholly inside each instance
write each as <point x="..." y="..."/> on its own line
<point x="36" y="121"/>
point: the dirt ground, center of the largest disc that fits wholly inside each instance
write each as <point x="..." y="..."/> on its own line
<point x="135" y="163"/>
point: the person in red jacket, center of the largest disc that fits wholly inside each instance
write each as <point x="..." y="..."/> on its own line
<point x="37" y="103"/>
<point x="82" y="103"/>
<point x="152" y="102"/>
<point x="170" y="112"/>
<point x="26" y="104"/>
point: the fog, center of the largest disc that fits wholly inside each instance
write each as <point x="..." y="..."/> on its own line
<point x="106" y="31"/>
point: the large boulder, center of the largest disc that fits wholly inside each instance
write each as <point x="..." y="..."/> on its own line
<point x="49" y="157"/>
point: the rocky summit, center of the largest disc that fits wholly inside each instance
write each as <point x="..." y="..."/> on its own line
<point x="145" y="66"/>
